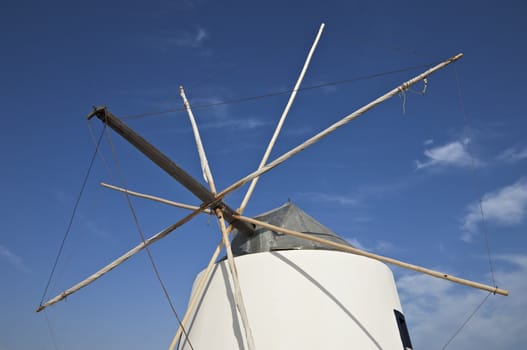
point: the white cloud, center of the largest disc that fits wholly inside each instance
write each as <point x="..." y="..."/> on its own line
<point x="380" y="246"/>
<point x="505" y="207"/>
<point x="435" y="309"/>
<point x="324" y="86"/>
<point x="221" y="117"/>
<point x="362" y="219"/>
<point x="386" y="247"/>
<point x="513" y="155"/>
<point x="238" y="124"/>
<point x="454" y="154"/>
<point x="93" y="227"/>
<point x="190" y="3"/>
<point x="12" y="259"/>
<point x="428" y="142"/>
<point x="193" y="39"/>
<point x="334" y="198"/>
<point x="355" y="242"/>
<point x="299" y="130"/>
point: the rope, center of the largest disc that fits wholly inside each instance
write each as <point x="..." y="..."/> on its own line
<point x="466" y="321"/>
<point x="51" y="333"/>
<point x="404" y="88"/>
<point x="74" y="211"/>
<point x="149" y="253"/>
<point x="402" y="95"/>
<point x="99" y="154"/>
<point x="275" y="93"/>
<point x="477" y="184"/>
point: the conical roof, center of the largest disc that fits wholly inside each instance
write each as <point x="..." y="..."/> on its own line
<point x="286" y="216"/>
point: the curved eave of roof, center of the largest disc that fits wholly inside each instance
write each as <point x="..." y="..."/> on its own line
<point x="286" y="216"/>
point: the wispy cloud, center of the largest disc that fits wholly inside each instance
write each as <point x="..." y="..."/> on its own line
<point x="435" y="309"/>
<point x="379" y="247"/>
<point x="95" y="229"/>
<point x="82" y="221"/>
<point x="13" y="259"/>
<point x="386" y="247"/>
<point x="382" y="190"/>
<point x="300" y="130"/>
<point x="453" y="154"/>
<point x="192" y="39"/>
<point x="190" y="4"/>
<point x="237" y="124"/>
<point x="220" y="117"/>
<point x="362" y="219"/>
<point x="506" y="207"/>
<point x="428" y="142"/>
<point x="361" y="195"/>
<point x="339" y="199"/>
<point x="356" y="243"/>
<point x="324" y="86"/>
<point x="513" y="155"/>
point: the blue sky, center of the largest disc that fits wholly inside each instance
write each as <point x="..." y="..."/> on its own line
<point x="397" y="181"/>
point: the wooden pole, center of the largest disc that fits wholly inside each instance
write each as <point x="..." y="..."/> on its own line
<point x="207" y="175"/>
<point x="120" y="260"/>
<point x="242" y="207"/>
<point x="240" y="305"/>
<point x="238" y="298"/>
<point x="166" y="164"/>
<point x="350" y="249"/>
<point x="154" y="198"/>
<point x="282" y="118"/>
<point x="401" y="88"/>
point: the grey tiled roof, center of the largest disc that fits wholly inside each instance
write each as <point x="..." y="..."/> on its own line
<point x="287" y="216"/>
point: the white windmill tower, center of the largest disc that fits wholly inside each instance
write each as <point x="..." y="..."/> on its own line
<point x="298" y="294"/>
<point x="287" y="281"/>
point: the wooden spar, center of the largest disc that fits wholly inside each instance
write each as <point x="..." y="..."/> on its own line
<point x="238" y="298"/>
<point x="282" y="119"/>
<point x="350" y="249"/>
<point x="401" y="88"/>
<point x="225" y="235"/>
<point x="121" y="259"/>
<point x="172" y="169"/>
<point x="207" y="175"/>
<point x="154" y="198"/>
<point x="167" y="165"/>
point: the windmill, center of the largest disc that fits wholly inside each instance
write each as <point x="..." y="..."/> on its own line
<point x="282" y="282"/>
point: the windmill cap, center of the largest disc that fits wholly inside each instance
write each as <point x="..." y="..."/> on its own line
<point x="287" y="216"/>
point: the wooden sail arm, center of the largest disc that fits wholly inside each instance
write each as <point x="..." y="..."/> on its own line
<point x="350" y="249"/>
<point x="95" y="276"/>
<point x="401" y="88"/>
<point x="238" y="297"/>
<point x="167" y="165"/>
<point x="155" y="198"/>
<point x="207" y="174"/>
<point x="281" y="121"/>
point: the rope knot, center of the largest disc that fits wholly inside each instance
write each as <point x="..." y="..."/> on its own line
<point x="403" y="87"/>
